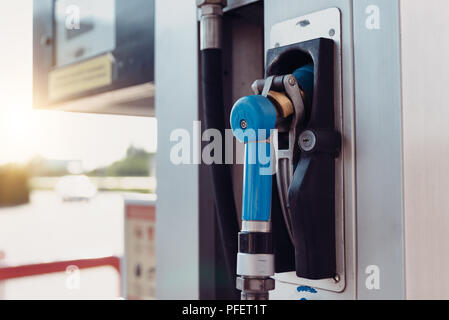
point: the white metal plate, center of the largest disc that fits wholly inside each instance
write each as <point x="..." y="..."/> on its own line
<point x="321" y="24"/>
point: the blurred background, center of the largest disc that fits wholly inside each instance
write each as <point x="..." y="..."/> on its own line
<point x="63" y="177"/>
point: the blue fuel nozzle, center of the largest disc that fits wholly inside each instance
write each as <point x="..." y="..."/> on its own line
<point x="253" y="120"/>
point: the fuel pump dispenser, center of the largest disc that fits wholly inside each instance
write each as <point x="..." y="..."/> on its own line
<point x="334" y="138"/>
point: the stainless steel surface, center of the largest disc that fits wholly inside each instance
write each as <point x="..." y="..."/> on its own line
<point x="255" y="284"/>
<point x="211" y="26"/>
<point x="177" y="205"/>
<point x="255" y="288"/>
<point x="256" y="226"/>
<point x="235" y="4"/>
<point x="426" y="170"/>
<point x="222" y="3"/>
<point x="318" y="24"/>
<point x="251" y="296"/>
<point x="380" y="226"/>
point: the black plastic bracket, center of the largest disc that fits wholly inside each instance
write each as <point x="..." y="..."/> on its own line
<point x="312" y="191"/>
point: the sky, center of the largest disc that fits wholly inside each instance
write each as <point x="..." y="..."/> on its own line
<point x="96" y="140"/>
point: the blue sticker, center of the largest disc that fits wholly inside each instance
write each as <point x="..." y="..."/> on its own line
<point x="306" y="289"/>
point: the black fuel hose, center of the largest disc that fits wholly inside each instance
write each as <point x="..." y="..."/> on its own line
<point x="214" y="116"/>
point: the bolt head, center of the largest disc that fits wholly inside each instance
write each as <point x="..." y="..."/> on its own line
<point x="243" y="124"/>
<point x="307" y="141"/>
<point x="46" y="40"/>
<point x="212" y="10"/>
<point x="255" y="285"/>
<point x="292" y="81"/>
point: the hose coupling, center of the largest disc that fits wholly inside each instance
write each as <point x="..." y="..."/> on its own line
<point x="211" y="13"/>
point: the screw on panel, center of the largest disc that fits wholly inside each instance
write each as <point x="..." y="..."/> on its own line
<point x="337" y="278"/>
<point x="332" y="32"/>
<point x="292" y="81"/>
<point x="307" y="141"/>
<point x="46" y="40"/>
<point x="243" y="124"/>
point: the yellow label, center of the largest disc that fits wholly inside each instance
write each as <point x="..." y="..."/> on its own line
<point x="92" y="74"/>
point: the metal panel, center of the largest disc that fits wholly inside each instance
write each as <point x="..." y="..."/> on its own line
<point x="234" y="4"/>
<point x="275" y="13"/>
<point x="425" y="75"/>
<point x="379" y="156"/>
<point x="177" y="227"/>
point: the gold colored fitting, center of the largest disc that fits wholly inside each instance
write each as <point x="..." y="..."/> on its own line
<point x="303" y="94"/>
<point x="282" y="103"/>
